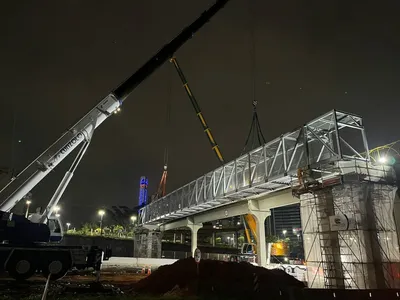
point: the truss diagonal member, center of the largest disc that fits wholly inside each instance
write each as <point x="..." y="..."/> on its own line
<point x="292" y="157"/>
<point x="321" y="141"/>
<point x="351" y="148"/>
<point x="252" y="173"/>
<point x="320" y="153"/>
<point x="357" y="125"/>
<point x="233" y="170"/>
<point x="350" y="126"/>
<point x="355" y="121"/>
<point x="275" y="156"/>
<point x="218" y="184"/>
<point x="284" y="155"/>
<point x="209" y="188"/>
<point x="264" y="153"/>
<point x="297" y="144"/>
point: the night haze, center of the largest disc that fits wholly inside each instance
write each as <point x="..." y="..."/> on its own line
<point x="60" y="59"/>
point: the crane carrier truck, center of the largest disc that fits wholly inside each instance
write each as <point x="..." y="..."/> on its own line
<point x="28" y="245"/>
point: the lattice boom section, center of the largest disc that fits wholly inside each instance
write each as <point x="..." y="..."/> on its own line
<point x="265" y="169"/>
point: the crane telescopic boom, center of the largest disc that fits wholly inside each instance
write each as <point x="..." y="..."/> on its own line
<point x="83" y="129"/>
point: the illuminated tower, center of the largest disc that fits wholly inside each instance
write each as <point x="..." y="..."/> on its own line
<point x="143" y="191"/>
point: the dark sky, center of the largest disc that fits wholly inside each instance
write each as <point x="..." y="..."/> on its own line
<point x="59" y="58"/>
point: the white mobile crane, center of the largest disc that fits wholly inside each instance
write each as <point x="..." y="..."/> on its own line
<point x="27" y="245"/>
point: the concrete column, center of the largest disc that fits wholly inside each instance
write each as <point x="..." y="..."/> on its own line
<point x="262" y="242"/>
<point x="182" y="241"/>
<point x="213" y="239"/>
<point x="149" y="248"/>
<point x="153" y="245"/>
<point x="194" y="228"/>
<point x="174" y="237"/>
<point x="260" y="217"/>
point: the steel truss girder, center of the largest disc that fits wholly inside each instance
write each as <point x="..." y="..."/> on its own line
<point x="266" y="169"/>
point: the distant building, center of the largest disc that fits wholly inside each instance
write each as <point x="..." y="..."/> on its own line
<point x="286" y="218"/>
<point x="143" y="191"/>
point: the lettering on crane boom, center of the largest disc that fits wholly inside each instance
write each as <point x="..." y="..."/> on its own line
<point x="69" y="145"/>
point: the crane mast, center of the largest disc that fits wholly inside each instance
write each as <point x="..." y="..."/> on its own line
<point x="82" y="131"/>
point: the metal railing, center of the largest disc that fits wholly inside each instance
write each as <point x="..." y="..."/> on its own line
<point x="332" y="137"/>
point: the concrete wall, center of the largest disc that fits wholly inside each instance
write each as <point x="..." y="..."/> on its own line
<point x="120" y="248"/>
<point x="124" y="248"/>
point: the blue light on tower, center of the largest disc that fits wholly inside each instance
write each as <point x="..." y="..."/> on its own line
<point x="143" y="190"/>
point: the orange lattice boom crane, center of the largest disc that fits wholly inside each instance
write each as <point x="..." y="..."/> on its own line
<point x="192" y="98"/>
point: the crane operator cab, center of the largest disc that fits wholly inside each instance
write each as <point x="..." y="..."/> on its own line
<point x="56" y="229"/>
<point x="53" y="223"/>
<point x="248" y="248"/>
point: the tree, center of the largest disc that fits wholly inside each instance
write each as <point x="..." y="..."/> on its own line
<point x="118" y="230"/>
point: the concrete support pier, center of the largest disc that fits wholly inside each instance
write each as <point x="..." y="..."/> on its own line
<point x="260" y="216"/>
<point x="147" y="242"/>
<point x="350" y="236"/>
<point x="194" y="228"/>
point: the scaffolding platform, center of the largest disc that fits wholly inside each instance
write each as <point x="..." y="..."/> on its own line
<point x="349" y="232"/>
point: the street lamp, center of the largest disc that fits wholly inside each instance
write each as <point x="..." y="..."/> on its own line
<point x="101" y="214"/>
<point x="284" y="232"/>
<point x="133" y="219"/>
<point x="57" y="215"/>
<point x="28" y="202"/>
<point x="68" y="224"/>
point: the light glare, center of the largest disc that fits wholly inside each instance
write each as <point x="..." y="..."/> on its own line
<point x="382" y="159"/>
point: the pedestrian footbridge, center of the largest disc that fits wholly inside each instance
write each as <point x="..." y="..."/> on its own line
<point x="326" y="140"/>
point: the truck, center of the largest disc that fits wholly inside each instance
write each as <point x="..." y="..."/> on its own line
<point x="28" y="245"/>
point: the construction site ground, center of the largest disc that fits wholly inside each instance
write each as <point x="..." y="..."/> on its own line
<point x="113" y="283"/>
<point x="182" y="280"/>
<point x="116" y="284"/>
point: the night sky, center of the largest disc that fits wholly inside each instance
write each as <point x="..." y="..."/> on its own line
<point x="59" y="58"/>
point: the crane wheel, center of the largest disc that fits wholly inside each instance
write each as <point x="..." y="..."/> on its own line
<point x="21" y="265"/>
<point x="57" y="264"/>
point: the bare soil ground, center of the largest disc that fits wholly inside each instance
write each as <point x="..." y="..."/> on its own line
<point x="113" y="282"/>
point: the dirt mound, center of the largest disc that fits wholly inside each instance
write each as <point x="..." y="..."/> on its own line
<point x="165" y="278"/>
<point x="215" y="277"/>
